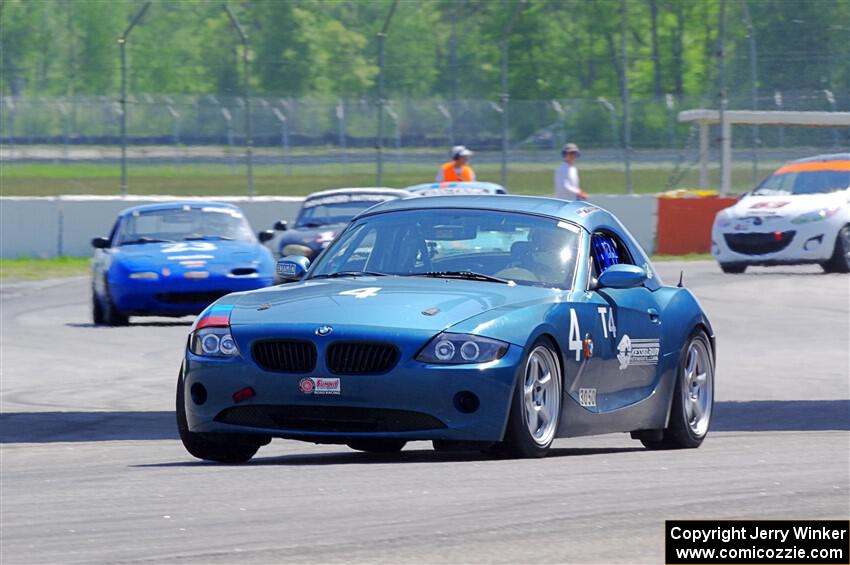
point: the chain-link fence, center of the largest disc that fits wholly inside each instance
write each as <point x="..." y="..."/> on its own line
<point x="297" y="133"/>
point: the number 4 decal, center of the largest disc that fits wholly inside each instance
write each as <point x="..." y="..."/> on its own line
<point x="575" y="342"/>
<point x="361" y="292"/>
<point x="609" y="326"/>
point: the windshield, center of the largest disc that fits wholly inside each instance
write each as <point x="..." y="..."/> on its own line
<point x="807" y="178"/>
<point x="336" y="209"/>
<point x="479" y="244"/>
<point x="182" y="224"/>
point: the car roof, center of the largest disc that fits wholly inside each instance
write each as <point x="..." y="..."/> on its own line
<point x="360" y="190"/>
<point x="826" y="157"/>
<point x="179" y="204"/>
<point x="585" y="214"/>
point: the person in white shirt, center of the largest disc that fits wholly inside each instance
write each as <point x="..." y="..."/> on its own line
<point x="566" y="175"/>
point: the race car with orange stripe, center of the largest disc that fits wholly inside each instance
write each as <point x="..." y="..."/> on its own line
<point x="799" y="214"/>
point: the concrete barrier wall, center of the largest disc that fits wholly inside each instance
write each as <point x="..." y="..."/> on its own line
<point x="639" y="213"/>
<point x="64" y="225"/>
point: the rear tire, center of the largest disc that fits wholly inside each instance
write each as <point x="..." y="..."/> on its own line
<point x="536" y="408"/>
<point x="222" y="448"/>
<point x="733" y="268"/>
<point x="693" y="398"/>
<point x="840" y="260"/>
<point x="377" y="445"/>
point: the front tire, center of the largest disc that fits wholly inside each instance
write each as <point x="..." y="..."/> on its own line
<point x="377" y="445"/>
<point x="536" y="407"/>
<point x="840" y="260"/>
<point x="104" y="312"/>
<point x="693" y="398"/>
<point x="733" y="268"/>
<point x="222" y="448"/>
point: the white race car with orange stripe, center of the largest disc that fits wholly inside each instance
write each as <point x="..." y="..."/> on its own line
<point x="799" y="214"/>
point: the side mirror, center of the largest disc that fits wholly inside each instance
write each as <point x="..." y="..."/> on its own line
<point x="265" y="235"/>
<point x="292" y="268"/>
<point x="100" y="243"/>
<point x="280" y="225"/>
<point x="622" y="276"/>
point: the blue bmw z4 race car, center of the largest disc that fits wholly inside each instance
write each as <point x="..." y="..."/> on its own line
<point x="174" y="259"/>
<point x="492" y="322"/>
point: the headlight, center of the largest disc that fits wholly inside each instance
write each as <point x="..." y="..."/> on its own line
<point x="213" y="342"/>
<point x="145" y="276"/>
<point x="451" y="348"/>
<point x="815" y="216"/>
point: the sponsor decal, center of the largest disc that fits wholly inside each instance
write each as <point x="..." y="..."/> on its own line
<point x="320" y="385"/>
<point x="768" y="205"/>
<point x="634" y="352"/>
<point x="286" y="269"/>
<point x="587" y="397"/>
<point x="586" y="211"/>
<point x="306" y="385"/>
<point x="344" y="198"/>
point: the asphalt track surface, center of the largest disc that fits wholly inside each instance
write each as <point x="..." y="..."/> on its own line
<point x="93" y="472"/>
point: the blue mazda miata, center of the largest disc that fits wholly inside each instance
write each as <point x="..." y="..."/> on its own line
<point x="489" y="322"/>
<point x="174" y="259"/>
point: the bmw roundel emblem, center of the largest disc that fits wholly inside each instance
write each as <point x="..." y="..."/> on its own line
<point x="324" y="330"/>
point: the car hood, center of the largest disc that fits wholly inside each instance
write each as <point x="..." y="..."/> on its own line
<point x="784" y="206"/>
<point x="391" y="303"/>
<point x="191" y="254"/>
<point x="311" y="236"/>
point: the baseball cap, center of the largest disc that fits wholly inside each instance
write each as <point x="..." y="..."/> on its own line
<point x="460" y="151"/>
<point x="570" y="148"/>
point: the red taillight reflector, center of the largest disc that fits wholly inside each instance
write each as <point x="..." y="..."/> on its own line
<point x="246" y="393"/>
<point x="777" y="235"/>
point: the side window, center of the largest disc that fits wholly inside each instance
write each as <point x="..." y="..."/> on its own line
<point x="606" y="250"/>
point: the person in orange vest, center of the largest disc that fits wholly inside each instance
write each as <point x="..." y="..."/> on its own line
<point x="458" y="169"/>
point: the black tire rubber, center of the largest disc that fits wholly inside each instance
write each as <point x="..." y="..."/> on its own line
<point x="222" y="448"/>
<point x="517" y="442"/>
<point x="840" y="260"/>
<point x="104" y="312"/>
<point x="377" y="445"/>
<point x="97" y="310"/>
<point x="733" y="268"/>
<point x="678" y="434"/>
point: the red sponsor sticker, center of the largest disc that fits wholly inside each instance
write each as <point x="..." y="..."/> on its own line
<point x="306" y="386"/>
<point x="319" y="385"/>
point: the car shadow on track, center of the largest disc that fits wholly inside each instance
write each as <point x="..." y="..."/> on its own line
<point x="53" y="427"/>
<point x="349" y="457"/>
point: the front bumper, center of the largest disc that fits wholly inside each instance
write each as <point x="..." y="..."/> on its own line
<point x="413" y="401"/>
<point x="788" y="244"/>
<point x="178" y="296"/>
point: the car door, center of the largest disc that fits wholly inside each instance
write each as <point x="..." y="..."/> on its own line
<point x="633" y="327"/>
